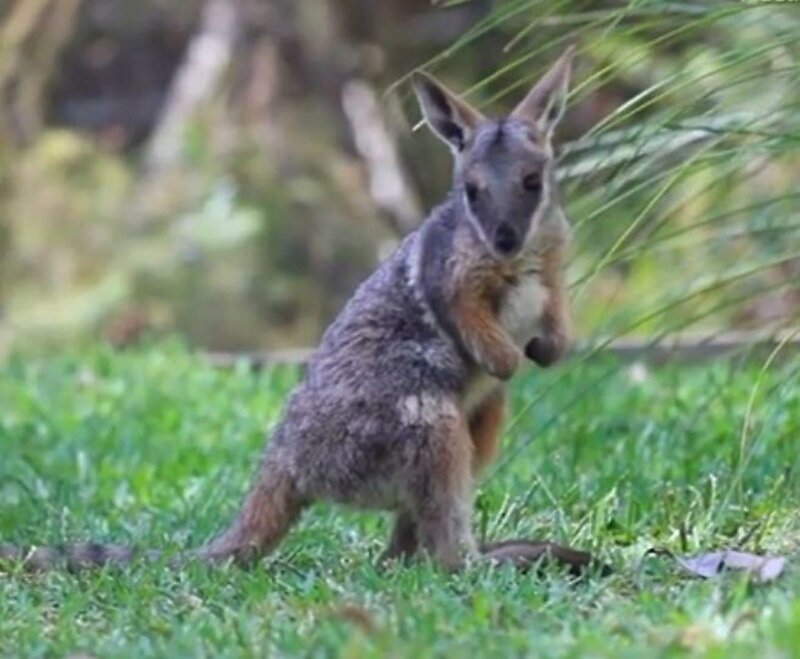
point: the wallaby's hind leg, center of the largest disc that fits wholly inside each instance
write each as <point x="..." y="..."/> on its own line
<point x="485" y="427"/>
<point x="403" y="543"/>
<point x="269" y="510"/>
<point x="442" y="493"/>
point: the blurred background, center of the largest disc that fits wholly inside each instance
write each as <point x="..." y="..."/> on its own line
<point x="229" y="170"/>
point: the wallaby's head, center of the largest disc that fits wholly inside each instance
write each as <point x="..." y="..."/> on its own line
<point x="504" y="168"/>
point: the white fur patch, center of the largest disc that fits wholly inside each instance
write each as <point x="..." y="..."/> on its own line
<point x="424" y="409"/>
<point x="414" y="261"/>
<point x="522" y="309"/>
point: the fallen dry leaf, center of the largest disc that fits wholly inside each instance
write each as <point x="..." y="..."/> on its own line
<point x="762" y="568"/>
<point x="710" y="565"/>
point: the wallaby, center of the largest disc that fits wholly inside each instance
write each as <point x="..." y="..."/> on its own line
<point x="402" y="404"/>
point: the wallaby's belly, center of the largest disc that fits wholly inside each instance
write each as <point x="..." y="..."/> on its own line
<point x="522" y="309"/>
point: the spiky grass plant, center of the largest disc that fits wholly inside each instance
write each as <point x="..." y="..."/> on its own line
<point x="683" y="189"/>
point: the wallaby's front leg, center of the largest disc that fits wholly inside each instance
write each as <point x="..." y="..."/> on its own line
<point x="556" y="322"/>
<point x="488" y="342"/>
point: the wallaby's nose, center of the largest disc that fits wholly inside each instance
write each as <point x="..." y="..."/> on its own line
<point x="506" y="239"/>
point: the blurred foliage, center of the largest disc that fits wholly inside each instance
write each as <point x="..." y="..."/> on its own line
<point x="679" y="160"/>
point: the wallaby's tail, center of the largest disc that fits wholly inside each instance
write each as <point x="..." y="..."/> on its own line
<point x="270" y="509"/>
<point x="74" y="558"/>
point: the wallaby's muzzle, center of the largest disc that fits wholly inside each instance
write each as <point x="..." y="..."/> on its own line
<point x="507" y="240"/>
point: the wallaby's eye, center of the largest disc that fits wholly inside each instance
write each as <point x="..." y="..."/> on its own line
<point x="532" y="182"/>
<point x="471" y="190"/>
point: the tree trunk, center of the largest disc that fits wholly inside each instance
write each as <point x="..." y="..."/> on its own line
<point x="27" y="61"/>
<point x="196" y="82"/>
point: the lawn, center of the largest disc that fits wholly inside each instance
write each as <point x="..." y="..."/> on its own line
<point x="154" y="447"/>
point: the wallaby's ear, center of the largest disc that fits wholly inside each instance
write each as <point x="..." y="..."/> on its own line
<point x="544" y="104"/>
<point x="450" y="117"/>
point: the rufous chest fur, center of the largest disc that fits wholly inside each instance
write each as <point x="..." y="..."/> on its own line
<point x="520" y="310"/>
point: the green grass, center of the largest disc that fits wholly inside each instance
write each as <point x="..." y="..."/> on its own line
<point x="153" y="447"/>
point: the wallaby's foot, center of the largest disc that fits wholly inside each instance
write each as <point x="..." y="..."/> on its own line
<point x="447" y="540"/>
<point x="403" y="542"/>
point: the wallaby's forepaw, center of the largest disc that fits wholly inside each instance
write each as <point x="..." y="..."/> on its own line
<point x="546" y="350"/>
<point x="503" y="364"/>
